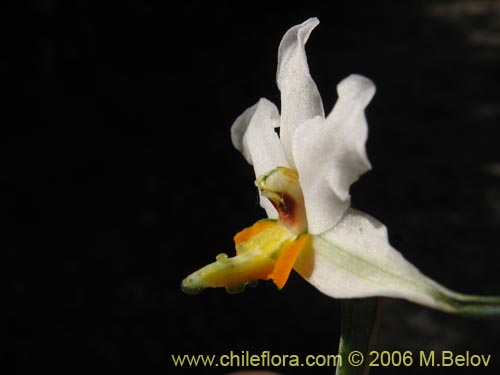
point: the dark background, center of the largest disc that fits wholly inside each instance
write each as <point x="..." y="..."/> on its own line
<point x="121" y="178"/>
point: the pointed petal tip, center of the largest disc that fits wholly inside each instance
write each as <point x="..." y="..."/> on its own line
<point x="300" y="98"/>
<point x="295" y="33"/>
<point x="312" y="21"/>
<point x="304" y="28"/>
<point x="356" y="87"/>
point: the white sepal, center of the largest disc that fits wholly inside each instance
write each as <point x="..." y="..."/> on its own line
<point x="355" y="260"/>
<point x="300" y="98"/>
<point x="253" y="135"/>
<point x="330" y="154"/>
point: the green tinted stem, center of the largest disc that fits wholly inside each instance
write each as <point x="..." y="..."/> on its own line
<point x="359" y="329"/>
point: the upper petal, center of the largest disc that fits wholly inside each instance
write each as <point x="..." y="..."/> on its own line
<point x="253" y="135"/>
<point x="300" y="99"/>
<point x="355" y="260"/>
<point x="330" y="154"/>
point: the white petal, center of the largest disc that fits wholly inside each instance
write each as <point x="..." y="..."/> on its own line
<point x="300" y="99"/>
<point x="355" y="259"/>
<point x="330" y="154"/>
<point x="253" y="135"/>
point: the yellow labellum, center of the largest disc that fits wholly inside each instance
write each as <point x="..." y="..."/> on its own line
<point x="265" y="251"/>
<point x="268" y="249"/>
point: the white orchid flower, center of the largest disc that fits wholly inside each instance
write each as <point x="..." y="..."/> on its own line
<point x="304" y="175"/>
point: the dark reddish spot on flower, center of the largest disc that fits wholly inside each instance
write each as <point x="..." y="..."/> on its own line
<point x="286" y="208"/>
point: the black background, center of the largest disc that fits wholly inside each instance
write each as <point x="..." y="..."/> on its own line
<point x="121" y="178"/>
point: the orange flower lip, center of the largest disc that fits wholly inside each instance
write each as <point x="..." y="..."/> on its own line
<point x="268" y="249"/>
<point x="264" y="251"/>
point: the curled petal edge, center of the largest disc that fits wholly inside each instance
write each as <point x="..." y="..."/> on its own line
<point x="300" y="98"/>
<point x="253" y="135"/>
<point x="330" y="153"/>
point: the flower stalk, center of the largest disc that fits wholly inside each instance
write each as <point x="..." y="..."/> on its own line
<point x="360" y="322"/>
